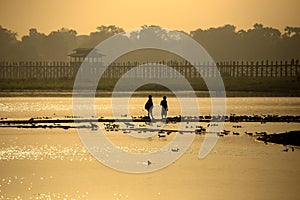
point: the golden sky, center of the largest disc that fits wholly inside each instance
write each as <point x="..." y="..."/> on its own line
<point x="85" y="15"/>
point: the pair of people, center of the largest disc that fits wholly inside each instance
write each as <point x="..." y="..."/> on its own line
<point x="164" y="107"/>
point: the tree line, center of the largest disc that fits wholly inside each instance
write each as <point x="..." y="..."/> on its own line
<point x="222" y="43"/>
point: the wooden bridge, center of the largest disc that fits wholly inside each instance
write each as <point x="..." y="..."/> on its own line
<point x="68" y="70"/>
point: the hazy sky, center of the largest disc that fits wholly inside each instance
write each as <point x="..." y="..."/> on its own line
<point x="85" y="15"/>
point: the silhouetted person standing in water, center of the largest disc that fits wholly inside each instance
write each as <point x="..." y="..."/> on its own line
<point x="164" y="108"/>
<point x="149" y="107"/>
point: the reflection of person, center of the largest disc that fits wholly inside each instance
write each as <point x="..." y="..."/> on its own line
<point x="149" y="107"/>
<point x="164" y="107"/>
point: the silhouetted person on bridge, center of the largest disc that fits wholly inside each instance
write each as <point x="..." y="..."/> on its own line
<point x="164" y="108"/>
<point x="149" y="107"/>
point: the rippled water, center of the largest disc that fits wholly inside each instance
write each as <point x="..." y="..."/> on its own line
<point x="59" y="107"/>
<point x="52" y="152"/>
<point x="34" y="163"/>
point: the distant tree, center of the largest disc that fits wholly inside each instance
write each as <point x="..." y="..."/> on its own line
<point x="222" y="43"/>
<point x="102" y="33"/>
<point x="290" y="42"/>
<point x="55" y="46"/>
<point x="257" y="43"/>
<point x="260" y="43"/>
<point x="60" y="43"/>
<point x="32" y="46"/>
<point x="110" y="30"/>
<point x="8" y="44"/>
<point x="258" y="26"/>
<point x="151" y="32"/>
<point x="290" y="31"/>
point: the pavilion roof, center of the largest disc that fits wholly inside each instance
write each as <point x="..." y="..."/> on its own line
<point x="84" y="52"/>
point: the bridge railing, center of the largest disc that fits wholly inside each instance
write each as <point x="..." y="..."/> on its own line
<point x="66" y="70"/>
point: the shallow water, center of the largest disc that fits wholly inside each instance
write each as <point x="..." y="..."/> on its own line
<point x="53" y="164"/>
<point x="60" y="106"/>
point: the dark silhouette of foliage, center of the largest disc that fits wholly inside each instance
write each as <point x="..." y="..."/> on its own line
<point x="8" y="43"/>
<point x="102" y="33"/>
<point x="258" y="43"/>
<point x="222" y="43"/>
